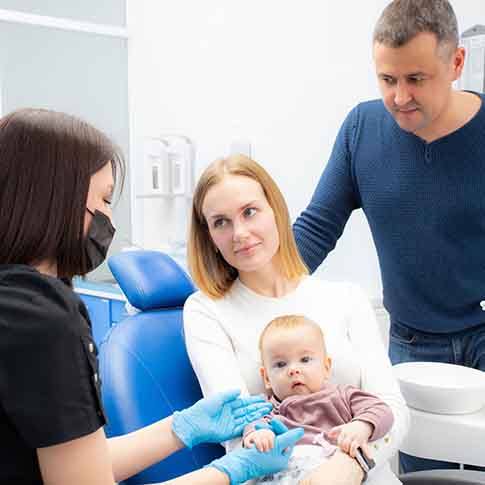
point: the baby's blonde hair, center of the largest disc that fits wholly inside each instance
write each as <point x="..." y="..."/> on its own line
<point x="286" y="322"/>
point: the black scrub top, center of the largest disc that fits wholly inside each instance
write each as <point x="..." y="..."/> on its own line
<point x="49" y="382"/>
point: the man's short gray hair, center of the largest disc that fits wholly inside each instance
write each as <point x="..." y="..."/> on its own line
<point x="402" y="20"/>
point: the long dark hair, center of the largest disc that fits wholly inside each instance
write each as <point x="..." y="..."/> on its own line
<point x="47" y="159"/>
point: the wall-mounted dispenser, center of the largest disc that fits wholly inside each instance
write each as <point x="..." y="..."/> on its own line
<point x="181" y="153"/>
<point x="168" y="166"/>
<point x="156" y="168"/>
<point x="166" y="188"/>
<point x="473" y="76"/>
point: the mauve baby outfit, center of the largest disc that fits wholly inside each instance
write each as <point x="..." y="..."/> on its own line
<point x="332" y="406"/>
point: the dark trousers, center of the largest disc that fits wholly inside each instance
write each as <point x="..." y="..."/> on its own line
<point x="463" y="348"/>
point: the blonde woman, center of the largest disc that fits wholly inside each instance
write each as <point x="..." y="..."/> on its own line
<point x="243" y="257"/>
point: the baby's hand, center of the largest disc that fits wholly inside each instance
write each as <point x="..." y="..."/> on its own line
<point x="263" y="439"/>
<point x="351" y="436"/>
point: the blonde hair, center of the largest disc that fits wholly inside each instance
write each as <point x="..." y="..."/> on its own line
<point x="210" y="271"/>
<point x="289" y="322"/>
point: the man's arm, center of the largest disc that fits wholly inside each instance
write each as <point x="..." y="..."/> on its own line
<point x="319" y="226"/>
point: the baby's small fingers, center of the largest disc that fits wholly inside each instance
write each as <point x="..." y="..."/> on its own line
<point x="353" y="448"/>
<point x="344" y="444"/>
<point x="267" y="444"/>
<point x="249" y="444"/>
<point x="341" y="440"/>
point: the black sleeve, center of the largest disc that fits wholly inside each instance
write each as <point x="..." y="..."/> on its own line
<point x="49" y="386"/>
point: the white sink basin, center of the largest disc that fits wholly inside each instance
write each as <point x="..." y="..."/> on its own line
<point x="441" y="388"/>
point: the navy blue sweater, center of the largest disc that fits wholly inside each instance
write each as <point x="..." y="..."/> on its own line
<point x="425" y="204"/>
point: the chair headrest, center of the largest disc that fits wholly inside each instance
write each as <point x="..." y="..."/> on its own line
<point x="151" y="279"/>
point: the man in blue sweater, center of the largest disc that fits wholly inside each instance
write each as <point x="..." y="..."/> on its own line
<point x="415" y="163"/>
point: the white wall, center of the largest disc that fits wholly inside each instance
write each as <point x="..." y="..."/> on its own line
<point x="281" y="74"/>
<point x="72" y="57"/>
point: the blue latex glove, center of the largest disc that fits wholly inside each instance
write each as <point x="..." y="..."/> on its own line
<point x="218" y="418"/>
<point x="247" y="463"/>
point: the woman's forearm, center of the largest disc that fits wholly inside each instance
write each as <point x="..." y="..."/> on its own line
<point x="351" y="463"/>
<point x="133" y="452"/>
<point x="201" y="477"/>
<point x="340" y="469"/>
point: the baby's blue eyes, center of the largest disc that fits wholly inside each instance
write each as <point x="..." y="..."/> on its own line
<point x="304" y="360"/>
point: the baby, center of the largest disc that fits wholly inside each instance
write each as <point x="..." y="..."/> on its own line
<point x="296" y="372"/>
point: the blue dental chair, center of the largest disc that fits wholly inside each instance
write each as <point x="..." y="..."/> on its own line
<point x="144" y="367"/>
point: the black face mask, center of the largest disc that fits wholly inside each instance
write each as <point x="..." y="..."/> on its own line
<point x="98" y="240"/>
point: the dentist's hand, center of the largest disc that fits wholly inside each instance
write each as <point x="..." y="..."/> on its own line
<point x="218" y="418"/>
<point x="247" y="463"/>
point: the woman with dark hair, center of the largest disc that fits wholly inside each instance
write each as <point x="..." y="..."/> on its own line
<point x="57" y="178"/>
